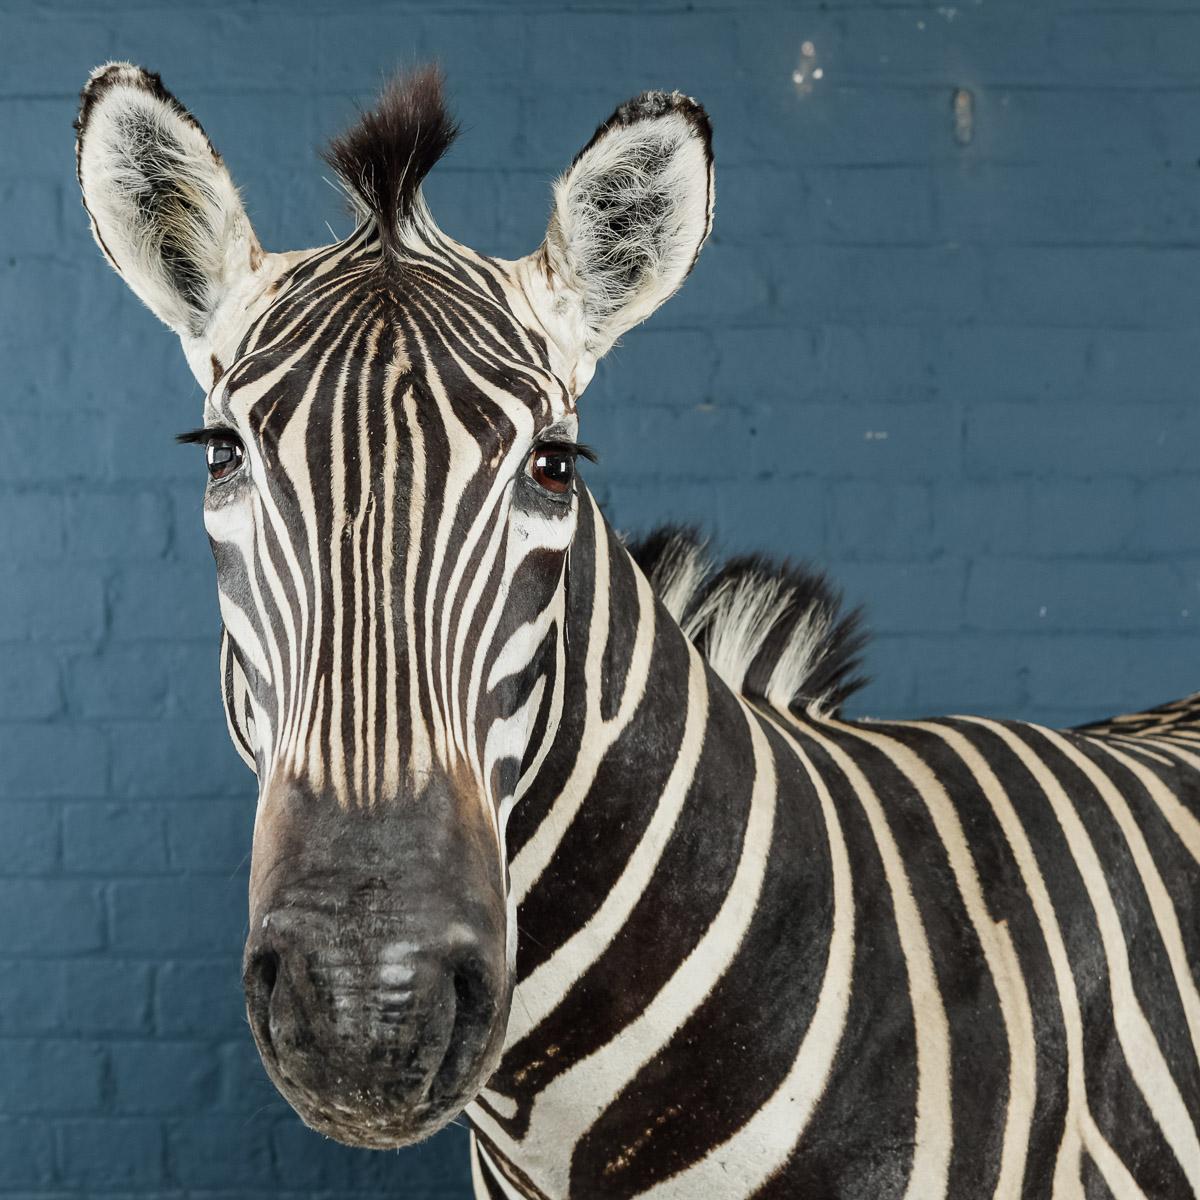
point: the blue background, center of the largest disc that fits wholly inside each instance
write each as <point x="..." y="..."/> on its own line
<point x="961" y="376"/>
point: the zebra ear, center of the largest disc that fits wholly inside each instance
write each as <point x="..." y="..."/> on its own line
<point x="162" y="205"/>
<point x="629" y="218"/>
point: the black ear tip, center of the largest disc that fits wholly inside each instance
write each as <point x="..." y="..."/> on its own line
<point x="109" y="75"/>
<point x="649" y="105"/>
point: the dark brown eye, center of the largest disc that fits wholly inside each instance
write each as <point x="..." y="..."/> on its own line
<point x="553" y="468"/>
<point x="224" y="455"/>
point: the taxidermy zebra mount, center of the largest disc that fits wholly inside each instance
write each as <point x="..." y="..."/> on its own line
<point x="570" y="835"/>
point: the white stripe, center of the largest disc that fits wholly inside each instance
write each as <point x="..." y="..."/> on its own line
<point x="751" y="1156"/>
<point x="932" y="1137"/>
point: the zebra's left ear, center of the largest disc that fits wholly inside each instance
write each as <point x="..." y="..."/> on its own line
<point x="629" y="218"/>
<point x="162" y="205"/>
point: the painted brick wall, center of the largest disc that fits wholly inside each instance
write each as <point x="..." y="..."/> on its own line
<point x="955" y="365"/>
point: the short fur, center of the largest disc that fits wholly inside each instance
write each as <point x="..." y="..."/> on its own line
<point x="774" y="632"/>
<point x="385" y="156"/>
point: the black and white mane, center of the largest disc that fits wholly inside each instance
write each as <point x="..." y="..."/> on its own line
<point x="777" y="632"/>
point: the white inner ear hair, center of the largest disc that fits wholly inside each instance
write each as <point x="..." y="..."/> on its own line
<point x="163" y="206"/>
<point x="629" y="219"/>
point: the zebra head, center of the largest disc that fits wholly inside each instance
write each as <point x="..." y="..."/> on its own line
<point x="391" y="434"/>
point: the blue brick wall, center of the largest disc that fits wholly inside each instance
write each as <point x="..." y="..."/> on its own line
<point x="959" y="373"/>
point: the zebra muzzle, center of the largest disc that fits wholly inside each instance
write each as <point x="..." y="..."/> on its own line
<point x="375" y="974"/>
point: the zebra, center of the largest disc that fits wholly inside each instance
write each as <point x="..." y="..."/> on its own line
<point x="571" y="834"/>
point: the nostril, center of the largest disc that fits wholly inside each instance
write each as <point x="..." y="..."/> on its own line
<point x="473" y="1009"/>
<point x="262" y="971"/>
<point x="259" y="978"/>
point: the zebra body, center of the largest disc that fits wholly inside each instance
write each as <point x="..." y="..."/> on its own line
<point x="571" y="835"/>
<point x="847" y="959"/>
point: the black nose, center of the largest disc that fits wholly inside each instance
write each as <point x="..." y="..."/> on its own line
<point x="375" y="1036"/>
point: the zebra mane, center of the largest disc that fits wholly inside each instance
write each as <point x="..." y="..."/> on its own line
<point x="382" y="159"/>
<point x="773" y="631"/>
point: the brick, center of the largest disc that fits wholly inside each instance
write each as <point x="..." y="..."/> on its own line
<point x="1110" y="674"/>
<point x="38" y="207"/>
<point x="57" y="604"/>
<point x="974" y="675"/>
<point x="1138" y="203"/>
<point x="881" y="520"/>
<point x="1050" y="126"/>
<point x="728" y="284"/>
<point x="1163" y="516"/>
<point x="26" y="1153"/>
<point x="1048" y="518"/>
<point x="201" y="999"/>
<point x="1108" y="47"/>
<point x="100" y="1155"/>
<point x="106" y="996"/>
<point x="1080" y="596"/>
<point x="673" y="367"/>
<point x="29" y="834"/>
<point x="33" y="527"/>
<point x="210" y="835"/>
<point x="854" y="363"/>
<point x="992" y="363"/>
<point x="158" y="1078"/>
<point x="53" y="447"/>
<point x="208" y="1152"/>
<point x="195" y="681"/>
<point x="768" y="201"/>
<point x="911" y="442"/>
<point x="176" y="758"/>
<point x="48" y="917"/>
<point x="139" y="609"/>
<point x="245" y="1088"/>
<point x="106" y="525"/>
<point x="50" y="1077"/>
<point x="873" y="204"/>
<point x="1140" y="366"/>
<point x="53" y="760"/>
<point x="118" y="839"/>
<point x="903" y="597"/>
<point x="903" y="284"/>
<point x="179" y="915"/>
<point x="33" y="999"/>
<point x="1079" y="440"/>
<point x="840" y="125"/>
<point x="793" y="510"/>
<point x="1073" y="286"/>
<point x="35" y="292"/>
<point x="29" y="684"/>
<point x="119" y="681"/>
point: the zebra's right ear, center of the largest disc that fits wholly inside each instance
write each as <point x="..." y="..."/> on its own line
<point x="162" y="205"/>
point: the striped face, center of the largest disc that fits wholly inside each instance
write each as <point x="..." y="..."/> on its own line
<point x="390" y="502"/>
<point x="390" y="433"/>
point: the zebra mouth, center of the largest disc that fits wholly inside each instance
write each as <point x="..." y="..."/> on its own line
<point x="370" y="1049"/>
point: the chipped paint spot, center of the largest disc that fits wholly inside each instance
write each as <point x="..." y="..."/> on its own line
<point x="963" y="107"/>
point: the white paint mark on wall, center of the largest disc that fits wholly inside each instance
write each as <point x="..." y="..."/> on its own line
<point x="807" y="72"/>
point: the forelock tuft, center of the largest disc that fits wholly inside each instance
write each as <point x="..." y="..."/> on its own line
<point x="383" y="158"/>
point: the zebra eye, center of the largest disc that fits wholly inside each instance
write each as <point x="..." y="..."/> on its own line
<point x="224" y="455"/>
<point x="553" y="468"/>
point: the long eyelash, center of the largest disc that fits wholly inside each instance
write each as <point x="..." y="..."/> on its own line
<point x="201" y="437"/>
<point x="574" y="449"/>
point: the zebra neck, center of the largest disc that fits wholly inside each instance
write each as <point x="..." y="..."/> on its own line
<point x="637" y="858"/>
